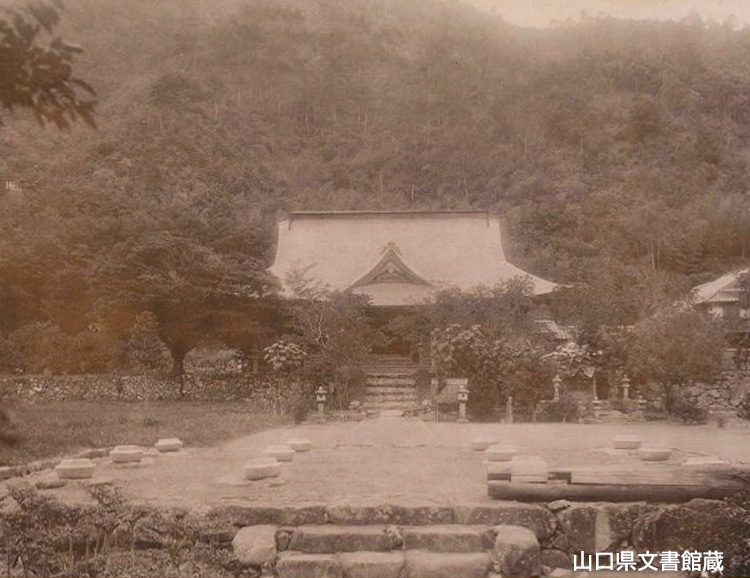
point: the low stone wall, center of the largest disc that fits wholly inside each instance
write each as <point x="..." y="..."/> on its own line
<point x="563" y="529"/>
<point x="215" y="387"/>
<point x="723" y="395"/>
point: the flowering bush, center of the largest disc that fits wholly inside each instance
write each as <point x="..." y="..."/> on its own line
<point x="284" y="356"/>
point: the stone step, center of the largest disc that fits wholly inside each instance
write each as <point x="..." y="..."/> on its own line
<point x="331" y="539"/>
<point x="384" y="405"/>
<point x="414" y="563"/>
<point x="390" y="381"/>
<point x="375" y="398"/>
<point x="373" y="564"/>
<point x="385" y="390"/>
<point x="449" y="538"/>
<point x="299" y="565"/>
<point x="420" y="564"/>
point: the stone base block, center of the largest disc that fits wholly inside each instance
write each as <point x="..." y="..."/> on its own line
<point x="126" y="454"/>
<point x="516" y="553"/>
<point x="255" y="545"/>
<point x="49" y="481"/>
<point x="281" y="453"/>
<point x="75" y="469"/>
<point x="528" y="469"/>
<point x="299" y="444"/>
<point x="168" y="445"/>
<point x="296" y="565"/>
<point x="332" y="539"/>
<point x="626" y="442"/>
<point x="421" y="564"/>
<point x="481" y="444"/>
<point x="449" y="538"/>
<point x="261" y="468"/>
<point x="654" y="454"/>
<point x="498" y="453"/>
<point x="372" y="564"/>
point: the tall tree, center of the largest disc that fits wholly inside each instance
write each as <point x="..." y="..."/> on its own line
<point x="36" y="66"/>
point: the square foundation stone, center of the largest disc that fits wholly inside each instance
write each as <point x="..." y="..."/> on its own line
<point x="626" y="442"/>
<point x="654" y="454"/>
<point x="281" y="453"/>
<point x="299" y="444"/>
<point x="126" y="454"/>
<point x="528" y="469"/>
<point x="75" y="469"/>
<point x="498" y="453"/>
<point x="168" y="445"/>
<point x="261" y="468"/>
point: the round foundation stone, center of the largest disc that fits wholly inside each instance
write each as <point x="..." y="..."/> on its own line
<point x="126" y="454"/>
<point x="261" y="468"/>
<point x="654" y="454"/>
<point x="75" y="469"/>
<point x="499" y="453"/>
<point x="626" y="442"/>
<point x="481" y="444"/>
<point x="281" y="453"/>
<point x="168" y="445"/>
<point x="299" y="444"/>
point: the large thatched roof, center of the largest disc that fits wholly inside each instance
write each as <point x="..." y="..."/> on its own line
<point x="397" y="258"/>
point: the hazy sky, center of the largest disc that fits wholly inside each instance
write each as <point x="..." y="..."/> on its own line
<point x="544" y="12"/>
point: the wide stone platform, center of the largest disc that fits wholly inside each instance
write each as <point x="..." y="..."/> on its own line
<point x="391" y="495"/>
<point x="385" y="461"/>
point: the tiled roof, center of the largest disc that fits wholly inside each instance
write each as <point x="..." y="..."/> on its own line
<point x="725" y="289"/>
<point x="381" y="254"/>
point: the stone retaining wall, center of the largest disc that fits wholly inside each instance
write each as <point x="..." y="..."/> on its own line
<point x="723" y="395"/>
<point x="216" y="387"/>
<point x="562" y="528"/>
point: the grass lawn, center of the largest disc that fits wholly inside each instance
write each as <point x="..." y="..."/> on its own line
<point x="54" y="429"/>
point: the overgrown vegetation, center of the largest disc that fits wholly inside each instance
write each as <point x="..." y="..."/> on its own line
<point x="43" y="537"/>
<point x="49" y="430"/>
<point x="615" y="148"/>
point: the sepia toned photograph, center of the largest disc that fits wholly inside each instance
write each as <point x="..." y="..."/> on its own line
<point x="374" y="288"/>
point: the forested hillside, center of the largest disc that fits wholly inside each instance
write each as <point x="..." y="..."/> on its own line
<point x="617" y="150"/>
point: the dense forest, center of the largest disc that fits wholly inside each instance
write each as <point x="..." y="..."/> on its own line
<point x="617" y="150"/>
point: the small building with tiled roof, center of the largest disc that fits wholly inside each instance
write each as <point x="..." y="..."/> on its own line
<point x="397" y="258"/>
<point x="722" y="297"/>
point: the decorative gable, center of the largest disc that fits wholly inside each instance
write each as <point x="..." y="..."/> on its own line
<point x="390" y="268"/>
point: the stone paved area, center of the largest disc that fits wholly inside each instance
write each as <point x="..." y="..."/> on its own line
<point x="394" y="460"/>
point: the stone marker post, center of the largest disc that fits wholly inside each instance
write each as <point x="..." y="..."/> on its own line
<point x="320" y="397"/>
<point x="556" y="381"/>
<point x="597" y="406"/>
<point x="625" y="387"/>
<point x="509" y="409"/>
<point x="463" y="397"/>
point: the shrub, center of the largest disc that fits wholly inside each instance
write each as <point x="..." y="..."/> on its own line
<point x="564" y="409"/>
<point x="626" y="406"/>
<point x="300" y="410"/>
<point x="743" y="410"/>
<point x="688" y="411"/>
<point x="144" y="351"/>
<point x="44" y="347"/>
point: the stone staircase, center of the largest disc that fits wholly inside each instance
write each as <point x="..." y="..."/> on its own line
<point x="434" y="551"/>
<point x="390" y="383"/>
<point x="607" y="414"/>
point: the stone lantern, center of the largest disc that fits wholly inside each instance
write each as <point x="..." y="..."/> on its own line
<point x="320" y="397"/>
<point x="556" y="381"/>
<point x="463" y="397"/>
<point x="626" y="387"/>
